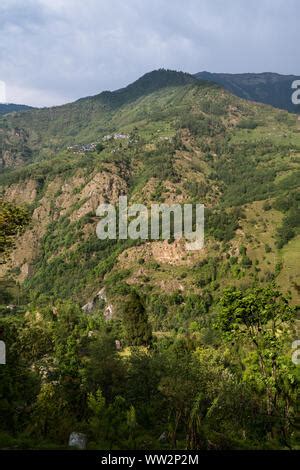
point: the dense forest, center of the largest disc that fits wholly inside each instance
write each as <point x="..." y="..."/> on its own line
<point x="232" y="387"/>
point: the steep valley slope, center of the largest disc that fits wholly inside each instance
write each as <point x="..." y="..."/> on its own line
<point x="166" y="138"/>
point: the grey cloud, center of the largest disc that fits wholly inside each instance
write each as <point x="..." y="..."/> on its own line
<point x="53" y="51"/>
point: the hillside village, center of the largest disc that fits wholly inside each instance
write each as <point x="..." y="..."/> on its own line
<point x="91" y="147"/>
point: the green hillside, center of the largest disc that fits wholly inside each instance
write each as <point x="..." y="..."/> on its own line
<point x="88" y="118"/>
<point x="182" y="318"/>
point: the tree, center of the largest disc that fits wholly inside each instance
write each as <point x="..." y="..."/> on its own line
<point x="96" y="405"/>
<point x="104" y="368"/>
<point x="137" y="329"/>
<point x="131" y="424"/>
<point x="260" y="320"/>
<point x="13" y="220"/>
<point x="100" y="147"/>
<point x="50" y="415"/>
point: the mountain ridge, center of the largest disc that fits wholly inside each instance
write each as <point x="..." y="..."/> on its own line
<point x="88" y="117"/>
<point x="146" y="84"/>
<point x="267" y="87"/>
<point x="6" y="108"/>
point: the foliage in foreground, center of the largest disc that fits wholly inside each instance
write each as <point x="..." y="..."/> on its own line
<point x="64" y="373"/>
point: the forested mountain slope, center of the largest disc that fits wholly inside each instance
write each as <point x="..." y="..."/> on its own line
<point x="268" y="88"/>
<point x="68" y="296"/>
<point x="188" y="141"/>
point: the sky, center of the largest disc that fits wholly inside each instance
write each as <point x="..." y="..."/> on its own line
<point x="56" y="51"/>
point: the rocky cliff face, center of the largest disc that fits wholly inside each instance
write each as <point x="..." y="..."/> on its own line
<point x="14" y="149"/>
<point x="72" y="197"/>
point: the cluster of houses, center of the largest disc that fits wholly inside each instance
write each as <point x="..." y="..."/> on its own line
<point x="83" y="148"/>
<point x="115" y="137"/>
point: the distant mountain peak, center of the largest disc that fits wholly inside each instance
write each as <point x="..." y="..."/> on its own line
<point x="6" y="108"/>
<point x="164" y="77"/>
<point x="145" y="85"/>
<point x="265" y="87"/>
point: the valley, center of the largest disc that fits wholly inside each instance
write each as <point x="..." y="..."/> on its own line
<point x="175" y="139"/>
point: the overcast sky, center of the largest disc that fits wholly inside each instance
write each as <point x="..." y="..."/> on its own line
<point x="54" y="51"/>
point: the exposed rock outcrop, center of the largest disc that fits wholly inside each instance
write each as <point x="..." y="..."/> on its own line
<point x="77" y="196"/>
